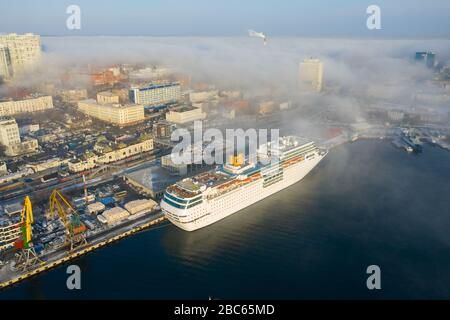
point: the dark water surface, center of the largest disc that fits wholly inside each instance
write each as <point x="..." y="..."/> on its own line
<point x="366" y="203"/>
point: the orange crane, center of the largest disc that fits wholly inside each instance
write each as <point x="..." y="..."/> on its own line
<point x="75" y="229"/>
<point x="27" y="257"/>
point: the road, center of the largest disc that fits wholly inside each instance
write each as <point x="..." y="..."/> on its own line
<point x="42" y="190"/>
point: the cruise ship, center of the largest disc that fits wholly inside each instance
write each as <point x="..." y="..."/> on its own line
<point x="206" y="198"/>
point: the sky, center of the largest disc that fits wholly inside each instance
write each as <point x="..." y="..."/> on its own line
<point x="319" y="18"/>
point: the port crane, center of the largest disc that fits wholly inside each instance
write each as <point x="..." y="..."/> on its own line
<point x="27" y="256"/>
<point x="75" y="229"/>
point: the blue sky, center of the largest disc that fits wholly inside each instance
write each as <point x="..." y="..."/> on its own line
<point x="329" y="18"/>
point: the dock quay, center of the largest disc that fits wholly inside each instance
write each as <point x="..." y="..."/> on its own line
<point x="101" y="242"/>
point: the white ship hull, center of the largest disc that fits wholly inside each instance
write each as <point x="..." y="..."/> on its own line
<point x="213" y="210"/>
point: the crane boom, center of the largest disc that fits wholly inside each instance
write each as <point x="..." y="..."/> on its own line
<point x="27" y="257"/>
<point x="26" y="220"/>
<point x="74" y="227"/>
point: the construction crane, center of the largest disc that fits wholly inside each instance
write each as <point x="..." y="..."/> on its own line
<point x="70" y="218"/>
<point x="27" y="256"/>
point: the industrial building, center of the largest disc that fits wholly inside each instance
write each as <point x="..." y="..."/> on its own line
<point x="30" y="104"/>
<point x="107" y="108"/>
<point x="156" y="94"/>
<point x="310" y="76"/>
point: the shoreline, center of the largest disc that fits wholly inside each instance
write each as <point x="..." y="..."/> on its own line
<point x="79" y="253"/>
<point x="92" y="247"/>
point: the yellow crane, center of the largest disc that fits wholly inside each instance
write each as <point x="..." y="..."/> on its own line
<point x="27" y="220"/>
<point x="27" y="257"/>
<point x="74" y="227"/>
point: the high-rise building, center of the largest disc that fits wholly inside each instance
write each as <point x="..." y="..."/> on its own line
<point x="5" y="63"/>
<point x="421" y="55"/>
<point x="310" y="76"/>
<point x="24" y="51"/>
<point x="156" y="94"/>
<point x="429" y="58"/>
<point x="9" y="131"/>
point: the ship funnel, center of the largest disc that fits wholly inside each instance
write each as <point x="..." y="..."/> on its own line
<point x="237" y="160"/>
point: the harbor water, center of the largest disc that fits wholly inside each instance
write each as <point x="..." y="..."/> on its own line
<point x="367" y="203"/>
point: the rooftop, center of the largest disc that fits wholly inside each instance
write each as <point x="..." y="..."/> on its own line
<point x="183" y="108"/>
<point x="107" y="94"/>
<point x="4" y="120"/>
<point x="151" y="86"/>
<point x="114" y="105"/>
<point x="154" y="178"/>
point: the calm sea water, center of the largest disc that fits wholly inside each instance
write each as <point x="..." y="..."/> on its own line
<point x="366" y="203"/>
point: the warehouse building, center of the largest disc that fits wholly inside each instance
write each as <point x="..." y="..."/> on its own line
<point x="140" y="206"/>
<point x="113" y="216"/>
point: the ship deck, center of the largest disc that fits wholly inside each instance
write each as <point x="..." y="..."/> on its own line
<point x="191" y="187"/>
